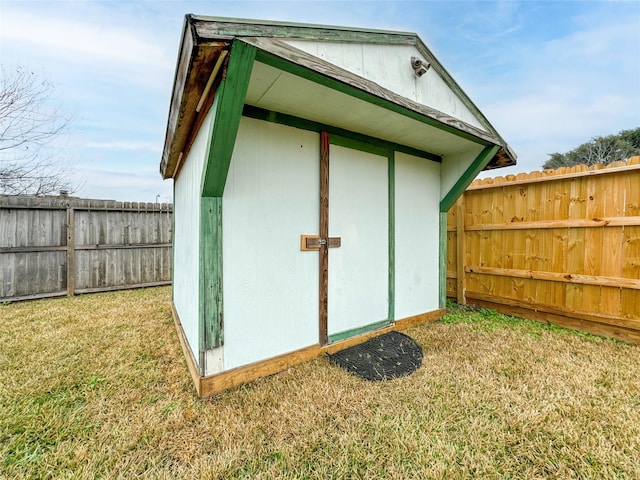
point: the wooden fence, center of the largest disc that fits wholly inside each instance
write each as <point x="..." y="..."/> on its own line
<point x="53" y="246"/>
<point x="560" y="246"/>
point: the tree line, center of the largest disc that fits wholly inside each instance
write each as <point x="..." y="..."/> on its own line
<point x="604" y="150"/>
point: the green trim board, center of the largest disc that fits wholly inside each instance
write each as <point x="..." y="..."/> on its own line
<point x="210" y="288"/>
<point x="467" y="177"/>
<point x="228" y="105"/>
<point x="392" y="236"/>
<point x="336" y="337"/>
<point x="354" y="144"/>
<point x="442" y="261"/>
<point x="304" y="124"/>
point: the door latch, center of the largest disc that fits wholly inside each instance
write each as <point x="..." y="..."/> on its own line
<point x="314" y="242"/>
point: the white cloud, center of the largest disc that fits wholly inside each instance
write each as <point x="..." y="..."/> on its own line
<point x="86" y="45"/>
<point x="569" y="89"/>
<point x="88" y="39"/>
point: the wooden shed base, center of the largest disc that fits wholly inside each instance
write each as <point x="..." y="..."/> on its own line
<point x="210" y="385"/>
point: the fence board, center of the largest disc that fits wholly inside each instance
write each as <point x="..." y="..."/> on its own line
<point x="57" y="245"/>
<point x="565" y="243"/>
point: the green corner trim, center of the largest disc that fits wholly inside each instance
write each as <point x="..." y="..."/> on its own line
<point x="364" y="140"/>
<point x="227" y="106"/>
<point x="392" y="237"/>
<point x="443" y="261"/>
<point x="300" y="71"/>
<point x="467" y="177"/>
<point x="210" y="293"/>
<point x="336" y="337"/>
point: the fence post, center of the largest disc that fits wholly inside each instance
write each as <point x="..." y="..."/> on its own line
<point x="71" y="252"/>
<point x="461" y="284"/>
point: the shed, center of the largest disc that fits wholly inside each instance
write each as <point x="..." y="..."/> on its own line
<point x="313" y="169"/>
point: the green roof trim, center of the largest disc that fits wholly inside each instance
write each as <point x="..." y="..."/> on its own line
<point x="228" y="104"/>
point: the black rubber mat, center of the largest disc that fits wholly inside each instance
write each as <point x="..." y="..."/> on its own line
<point x="387" y="356"/>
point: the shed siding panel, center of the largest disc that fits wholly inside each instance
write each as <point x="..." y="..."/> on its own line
<point x="454" y="166"/>
<point x="417" y="196"/>
<point x="187" y="232"/>
<point x="359" y="215"/>
<point x="270" y="286"/>
<point x="390" y="67"/>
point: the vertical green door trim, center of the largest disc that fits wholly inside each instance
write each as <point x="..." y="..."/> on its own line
<point x="210" y="294"/>
<point x="228" y="105"/>
<point x="392" y="237"/>
<point x="468" y="176"/>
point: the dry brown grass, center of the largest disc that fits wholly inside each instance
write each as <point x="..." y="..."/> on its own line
<point x="96" y="386"/>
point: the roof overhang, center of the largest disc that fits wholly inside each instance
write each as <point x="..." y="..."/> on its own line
<point x="289" y="81"/>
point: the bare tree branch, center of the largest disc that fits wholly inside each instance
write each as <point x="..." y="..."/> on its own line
<point x="31" y="122"/>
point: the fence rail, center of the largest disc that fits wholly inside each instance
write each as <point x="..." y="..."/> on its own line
<point x="54" y="246"/>
<point x="561" y="246"/>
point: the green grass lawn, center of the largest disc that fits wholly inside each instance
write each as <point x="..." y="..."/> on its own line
<point x="96" y="386"/>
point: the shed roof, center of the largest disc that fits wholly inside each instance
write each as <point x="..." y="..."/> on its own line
<point x="289" y="81"/>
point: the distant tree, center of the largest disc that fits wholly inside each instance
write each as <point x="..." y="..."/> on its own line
<point x="632" y="137"/>
<point x="602" y="150"/>
<point x="30" y="122"/>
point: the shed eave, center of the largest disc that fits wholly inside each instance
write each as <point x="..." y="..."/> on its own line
<point x="211" y="27"/>
<point x="201" y="47"/>
<point x="196" y="61"/>
<point x="214" y="28"/>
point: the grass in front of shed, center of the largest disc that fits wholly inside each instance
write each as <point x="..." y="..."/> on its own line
<point x="96" y="386"/>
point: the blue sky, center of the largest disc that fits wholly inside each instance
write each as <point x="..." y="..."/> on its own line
<point x="548" y="75"/>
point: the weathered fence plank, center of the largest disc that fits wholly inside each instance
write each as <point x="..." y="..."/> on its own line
<point x="52" y="246"/>
<point x="560" y="246"/>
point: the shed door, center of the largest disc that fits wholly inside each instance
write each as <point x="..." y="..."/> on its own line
<point x="358" y="273"/>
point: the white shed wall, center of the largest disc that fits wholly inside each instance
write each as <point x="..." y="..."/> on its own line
<point x="359" y="214"/>
<point x="270" y="286"/>
<point x="390" y="67"/>
<point x="454" y="166"/>
<point x="186" y="214"/>
<point x="417" y="198"/>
